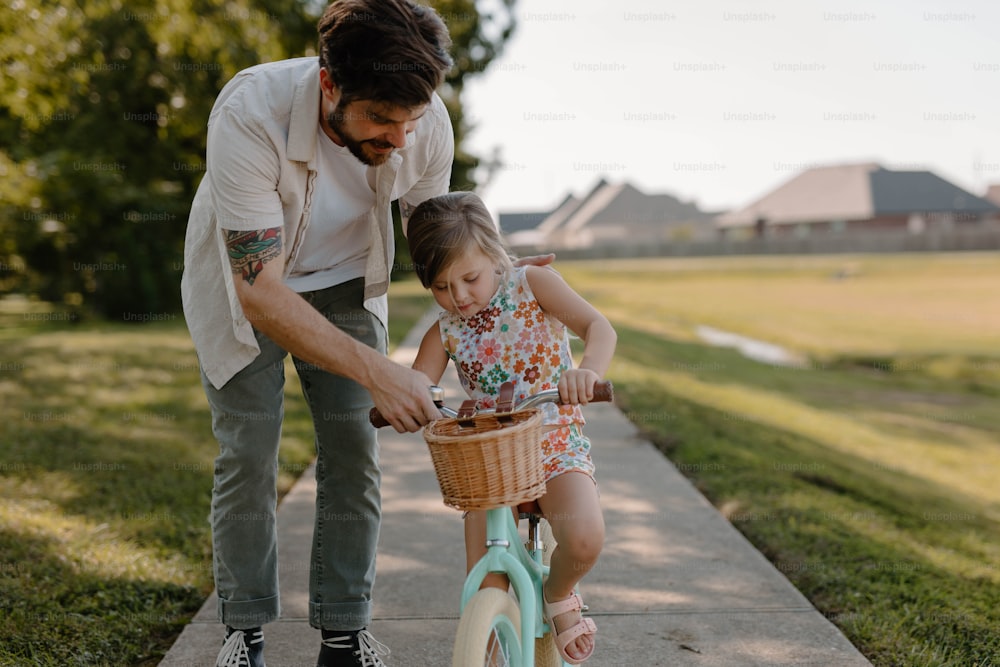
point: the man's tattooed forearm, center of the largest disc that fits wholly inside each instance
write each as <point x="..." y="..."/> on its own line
<point x="250" y="251"/>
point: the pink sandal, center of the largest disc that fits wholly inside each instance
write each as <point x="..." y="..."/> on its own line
<point x="584" y="626"/>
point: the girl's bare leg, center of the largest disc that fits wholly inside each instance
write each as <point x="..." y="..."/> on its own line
<point x="573" y="509"/>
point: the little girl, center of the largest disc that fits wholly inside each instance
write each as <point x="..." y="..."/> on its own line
<point x="504" y="323"/>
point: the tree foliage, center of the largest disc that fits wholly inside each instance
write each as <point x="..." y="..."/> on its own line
<point x="102" y="124"/>
<point x="103" y="110"/>
<point x="478" y="34"/>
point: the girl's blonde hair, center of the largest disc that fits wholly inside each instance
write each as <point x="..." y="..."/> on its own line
<point x="444" y="228"/>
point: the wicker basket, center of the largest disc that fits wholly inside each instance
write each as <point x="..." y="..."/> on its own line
<point x="485" y="463"/>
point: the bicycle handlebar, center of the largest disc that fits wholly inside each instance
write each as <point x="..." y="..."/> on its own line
<point x="604" y="392"/>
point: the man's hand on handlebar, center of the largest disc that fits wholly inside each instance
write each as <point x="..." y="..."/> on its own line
<point x="601" y="391"/>
<point x="402" y="396"/>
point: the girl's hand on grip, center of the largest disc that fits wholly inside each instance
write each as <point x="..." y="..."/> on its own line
<point x="576" y="386"/>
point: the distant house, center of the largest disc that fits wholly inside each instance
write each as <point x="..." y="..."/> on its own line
<point x="513" y="223"/>
<point x="608" y="214"/>
<point x="993" y="193"/>
<point x="858" y="197"/>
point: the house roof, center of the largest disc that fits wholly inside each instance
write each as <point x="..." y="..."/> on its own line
<point x="855" y="192"/>
<point x="908" y="191"/>
<point x="993" y="194"/>
<point x="560" y="214"/>
<point x="619" y="204"/>
<point x="598" y="201"/>
<point x="536" y="235"/>
<point x="823" y="193"/>
<point x="511" y="223"/>
<point x="634" y="208"/>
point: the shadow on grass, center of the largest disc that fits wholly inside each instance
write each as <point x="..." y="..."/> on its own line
<point x="906" y="386"/>
<point x="106" y="467"/>
<point x="132" y="437"/>
<point x="54" y="614"/>
<point x="903" y="565"/>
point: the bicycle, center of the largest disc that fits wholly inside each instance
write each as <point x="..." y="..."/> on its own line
<point x="492" y="623"/>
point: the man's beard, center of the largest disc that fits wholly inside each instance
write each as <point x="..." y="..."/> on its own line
<point x="336" y="121"/>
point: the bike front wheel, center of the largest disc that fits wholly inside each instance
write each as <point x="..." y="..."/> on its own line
<point x="546" y="653"/>
<point x="489" y="632"/>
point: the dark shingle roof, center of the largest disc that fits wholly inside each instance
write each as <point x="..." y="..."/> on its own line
<point x="518" y="222"/>
<point x="622" y="204"/>
<point x="909" y="191"/>
<point x="634" y="207"/>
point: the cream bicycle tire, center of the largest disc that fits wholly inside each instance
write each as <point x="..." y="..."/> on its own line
<point x="546" y="653"/>
<point x="489" y="610"/>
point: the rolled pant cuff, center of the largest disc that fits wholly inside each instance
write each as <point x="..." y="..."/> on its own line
<point x="340" y="615"/>
<point x="249" y="613"/>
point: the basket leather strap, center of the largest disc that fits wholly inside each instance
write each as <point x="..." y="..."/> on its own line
<point x="505" y="403"/>
<point x="467" y="412"/>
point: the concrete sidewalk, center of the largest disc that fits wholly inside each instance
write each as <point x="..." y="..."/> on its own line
<point x="676" y="583"/>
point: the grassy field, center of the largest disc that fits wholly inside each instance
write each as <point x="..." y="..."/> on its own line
<point x="106" y="459"/>
<point x="409" y="301"/>
<point x="869" y="477"/>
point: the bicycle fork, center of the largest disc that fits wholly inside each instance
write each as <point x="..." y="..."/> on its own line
<point x="534" y="543"/>
<point x="524" y="570"/>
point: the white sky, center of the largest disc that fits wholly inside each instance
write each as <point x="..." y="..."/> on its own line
<point x="719" y="101"/>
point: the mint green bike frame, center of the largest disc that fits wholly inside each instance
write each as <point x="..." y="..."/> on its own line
<point x="506" y="555"/>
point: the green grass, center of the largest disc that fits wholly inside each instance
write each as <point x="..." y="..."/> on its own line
<point x="826" y="306"/>
<point x="409" y="300"/>
<point x="869" y="479"/>
<point x="106" y="458"/>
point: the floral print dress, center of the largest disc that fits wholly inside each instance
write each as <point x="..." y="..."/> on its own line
<point x="512" y="339"/>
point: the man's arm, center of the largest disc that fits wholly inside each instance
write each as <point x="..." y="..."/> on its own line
<point x="405" y="211"/>
<point x="399" y="393"/>
<point x="250" y="251"/>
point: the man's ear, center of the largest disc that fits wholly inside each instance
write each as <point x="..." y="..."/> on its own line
<point x="327" y="86"/>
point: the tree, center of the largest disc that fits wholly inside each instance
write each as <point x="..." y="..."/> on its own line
<point x="102" y="124"/>
<point x="103" y="107"/>
<point x="478" y="35"/>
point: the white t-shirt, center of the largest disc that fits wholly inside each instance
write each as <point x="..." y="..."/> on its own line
<point x="335" y="246"/>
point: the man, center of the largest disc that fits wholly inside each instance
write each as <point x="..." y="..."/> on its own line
<point x="288" y="250"/>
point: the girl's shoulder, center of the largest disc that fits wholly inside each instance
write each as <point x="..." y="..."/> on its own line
<point x="519" y="273"/>
<point x="540" y="278"/>
<point x="531" y="276"/>
<point x="513" y="281"/>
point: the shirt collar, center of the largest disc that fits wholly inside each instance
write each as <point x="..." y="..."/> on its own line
<point x="305" y="116"/>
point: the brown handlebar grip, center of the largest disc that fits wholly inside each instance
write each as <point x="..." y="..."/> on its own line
<point x="604" y="391"/>
<point x="376" y="418"/>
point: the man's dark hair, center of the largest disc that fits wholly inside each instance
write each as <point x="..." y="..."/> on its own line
<point x="390" y="51"/>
